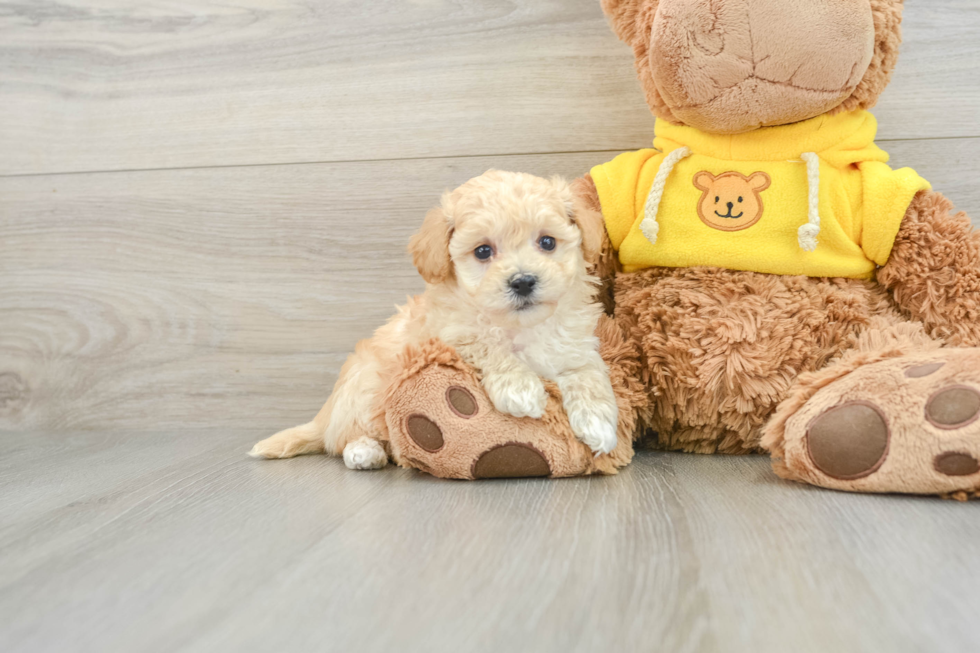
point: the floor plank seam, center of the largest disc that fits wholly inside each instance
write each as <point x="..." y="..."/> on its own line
<point x="64" y="173"/>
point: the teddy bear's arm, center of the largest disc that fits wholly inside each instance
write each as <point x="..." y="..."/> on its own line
<point x="607" y="263"/>
<point x="933" y="271"/>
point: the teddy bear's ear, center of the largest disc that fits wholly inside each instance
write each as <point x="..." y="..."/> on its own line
<point x="632" y="21"/>
<point x="430" y="246"/>
<point x="759" y="181"/>
<point x="703" y="180"/>
<point x="887" y="16"/>
<point x="623" y="15"/>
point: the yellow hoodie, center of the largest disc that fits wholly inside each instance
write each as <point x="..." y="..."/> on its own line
<point x="813" y="198"/>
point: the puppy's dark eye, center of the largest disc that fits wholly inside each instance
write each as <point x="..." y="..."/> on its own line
<point x="740" y="199"/>
<point x="716" y="199"/>
<point x="547" y="243"/>
<point x="483" y="252"/>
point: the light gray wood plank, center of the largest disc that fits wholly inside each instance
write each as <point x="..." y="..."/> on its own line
<point x="230" y="297"/>
<point x="936" y="87"/>
<point x="96" y="85"/>
<point x="176" y="541"/>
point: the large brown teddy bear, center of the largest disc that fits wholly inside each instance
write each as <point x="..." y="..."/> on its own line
<point x="774" y="285"/>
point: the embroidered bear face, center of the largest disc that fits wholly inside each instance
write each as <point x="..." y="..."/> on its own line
<point x="731" y="201"/>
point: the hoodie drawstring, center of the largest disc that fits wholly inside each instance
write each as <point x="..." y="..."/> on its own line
<point x="649" y="226"/>
<point x="807" y="234"/>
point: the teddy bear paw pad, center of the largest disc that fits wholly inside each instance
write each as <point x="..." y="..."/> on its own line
<point x="956" y="464"/>
<point x="512" y="460"/>
<point x="424" y="432"/>
<point x="953" y="408"/>
<point x="907" y="424"/>
<point x="462" y="402"/>
<point x="848" y="441"/>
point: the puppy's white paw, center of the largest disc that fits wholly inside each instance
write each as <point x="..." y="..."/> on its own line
<point x="520" y="395"/>
<point x="596" y="428"/>
<point x="365" y="453"/>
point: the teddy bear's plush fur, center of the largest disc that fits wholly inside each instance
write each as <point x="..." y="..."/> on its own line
<point x="861" y="385"/>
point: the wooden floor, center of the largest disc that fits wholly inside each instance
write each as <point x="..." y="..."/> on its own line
<point x="203" y="205"/>
<point x="175" y="541"/>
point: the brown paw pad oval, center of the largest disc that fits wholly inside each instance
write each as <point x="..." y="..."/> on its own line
<point x="956" y="464"/>
<point x="461" y="402"/>
<point x="425" y="432"/>
<point x="953" y="407"/>
<point x="849" y="441"/>
<point x="920" y="371"/>
<point x="513" y="460"/>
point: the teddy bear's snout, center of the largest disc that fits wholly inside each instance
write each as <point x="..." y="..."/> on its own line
<point x="732" y="67"/>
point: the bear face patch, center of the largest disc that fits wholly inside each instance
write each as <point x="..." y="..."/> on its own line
<point x="731" y="201"/>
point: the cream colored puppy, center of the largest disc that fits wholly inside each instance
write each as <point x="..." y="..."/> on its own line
<point x="504" y="260"/>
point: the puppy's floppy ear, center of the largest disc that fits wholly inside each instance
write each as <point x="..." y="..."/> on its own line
<point x="586" y="213"/>
<point x="430" y="246"/>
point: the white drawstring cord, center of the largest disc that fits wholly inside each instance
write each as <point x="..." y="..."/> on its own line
<point x="807" y="234"/>
<point x="649" y="226"/>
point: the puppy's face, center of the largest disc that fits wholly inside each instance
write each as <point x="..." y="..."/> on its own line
<point x="513" y="246"/>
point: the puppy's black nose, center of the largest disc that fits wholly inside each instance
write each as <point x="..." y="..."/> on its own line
<point x="523" y="284"/>
<point x="730" y="205"/>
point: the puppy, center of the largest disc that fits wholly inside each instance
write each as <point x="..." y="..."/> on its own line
<point x="504" y="258"/>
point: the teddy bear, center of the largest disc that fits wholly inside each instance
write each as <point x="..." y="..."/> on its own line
<point x="772" y="285"/>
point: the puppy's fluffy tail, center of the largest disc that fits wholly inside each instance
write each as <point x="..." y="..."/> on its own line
<point x="299" y="440"/>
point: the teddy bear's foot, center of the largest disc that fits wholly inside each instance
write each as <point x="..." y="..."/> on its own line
<point x="440" y="420"/>
<point x="907" y="424"/>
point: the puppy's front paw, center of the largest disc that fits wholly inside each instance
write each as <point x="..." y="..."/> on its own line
<point x="596" y="428"/>
<point x="520" y="395"/>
